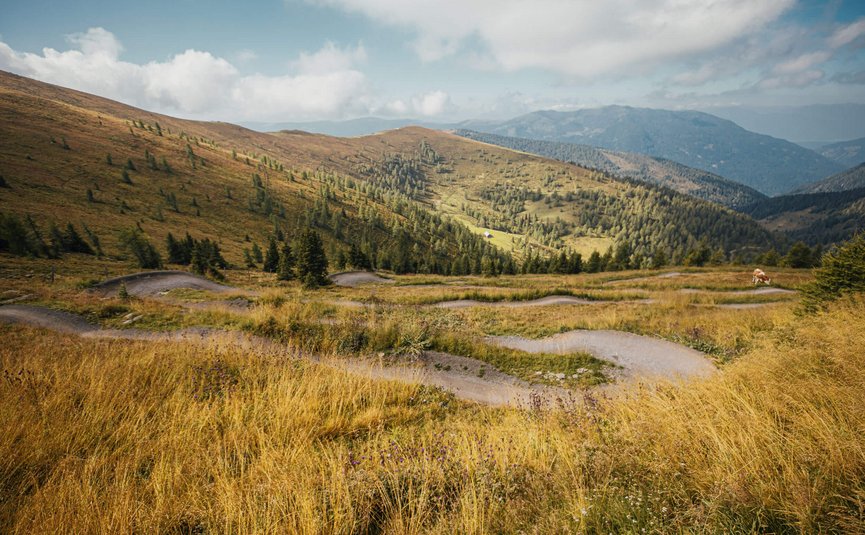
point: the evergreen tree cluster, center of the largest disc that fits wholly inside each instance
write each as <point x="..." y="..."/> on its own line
<point x="24" y="238"/>
<point x="134" y="242"/>
<point x="204" y="256"/>
<point x="842" y="273"/>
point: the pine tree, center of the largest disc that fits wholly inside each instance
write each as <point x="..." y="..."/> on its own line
<point x="72" y="242"/>
<point x="130" y="165"/>
<point x="799" y="256"/>
<point x="311" y="260"/>
<point x="247" y="258"/>
<point x="594" y="263"/>
<point x="659" y="259"/>
<point x="133" y="241"/>
<point x="256" y="253"/>
<point x="125" y="177"/>
<point x="108" y="159"/>
<point x="843" y="272"/>
<point x="176" y="252"/>
<point x="271" y="258"/>
<point x="90" y="197"/>
<point x="285" y="270"/>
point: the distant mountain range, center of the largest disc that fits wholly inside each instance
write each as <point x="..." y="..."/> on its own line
<point x="850" y="179"/>
<point x="717" y="147"/>
<point x="847" y="153"/>
<point x="769" y="165"/>
<point x="684" y="179"/>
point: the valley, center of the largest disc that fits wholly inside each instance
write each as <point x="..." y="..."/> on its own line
<point x="211" y="329"/>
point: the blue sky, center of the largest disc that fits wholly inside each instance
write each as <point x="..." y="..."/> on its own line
<point x="301" y="60"/>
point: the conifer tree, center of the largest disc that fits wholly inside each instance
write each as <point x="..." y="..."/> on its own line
<point x="271" y="258"/>
<point x="247" y="258"/>
<point x="311" y="260"/>
<point x="256" y="254"/>
<point x="285" y="270"/>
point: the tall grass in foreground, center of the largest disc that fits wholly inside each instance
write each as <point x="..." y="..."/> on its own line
<point x="120" y="437"/>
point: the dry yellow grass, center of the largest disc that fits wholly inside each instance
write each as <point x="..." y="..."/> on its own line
<point x="124" y="437"/>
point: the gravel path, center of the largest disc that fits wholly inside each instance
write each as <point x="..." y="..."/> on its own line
<point x="149" y="283"/>
<point x="641" y="356"/>
<point x="543" y="301"/>
<point x="671" y="275"/>
<point x="356" y="278"/>
<point x="461" y="376"/>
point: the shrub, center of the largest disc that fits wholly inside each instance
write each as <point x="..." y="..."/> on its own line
<point x="843" y="272"/>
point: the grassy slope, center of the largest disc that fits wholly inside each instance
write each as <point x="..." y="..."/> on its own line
<point x="114" y="436"/>
<point x="52" y="184"/>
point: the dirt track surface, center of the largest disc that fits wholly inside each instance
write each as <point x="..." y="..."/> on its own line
<point x="543" y="301"/>
<point x="670" y="275"/>
<point x="459" y="375"/>
<point x="356" y="278"/>
<point x="463" y="377"/>
<point x="46" y="318"/>
<point x="640" y="356"/>
<point x="149" y="283"/>
<point x="755" y="291"/>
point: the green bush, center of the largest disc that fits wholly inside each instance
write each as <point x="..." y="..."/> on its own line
<point x="843" y="272"/>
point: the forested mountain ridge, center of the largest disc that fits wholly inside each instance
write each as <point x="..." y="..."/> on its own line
<point x="769" y="165"/>
<point x="815" y="218"/>
<point x="849" y="153"/>
<point x="659" y="171"/>
<point x="408" y="200"/>
<point x="853" y="178"/>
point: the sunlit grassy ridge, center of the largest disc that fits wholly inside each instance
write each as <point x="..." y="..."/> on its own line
<point x="132" y="437"/>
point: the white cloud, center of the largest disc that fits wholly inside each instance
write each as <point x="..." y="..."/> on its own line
<point x="577" y="38"/>
<point x="197" y="84"/>
<point x="431" y="104"/>
<point x="847" y="34"/>
<point x="801" y="63"/>
<point x="330" y="59"/>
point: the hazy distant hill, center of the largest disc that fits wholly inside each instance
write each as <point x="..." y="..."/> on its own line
<point x="846" y="180"/>
<point x="349" y="128"/>
<point x="684" y="179"/>
<point x="696" y="139"/>
<point x="847" y="153"/>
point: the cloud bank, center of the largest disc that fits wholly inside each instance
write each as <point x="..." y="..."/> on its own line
<point x="576" y="38"/>
<point x="325" y="83"/>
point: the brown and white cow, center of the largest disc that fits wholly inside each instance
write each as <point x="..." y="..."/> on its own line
<point x="760" y="276"/>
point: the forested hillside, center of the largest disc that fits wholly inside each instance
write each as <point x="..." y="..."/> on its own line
<point x="816" y="218"/>
<point x="67" y="158"/>
<point x="846" y="180"/>
<point x="77" y="167"/>
<point x="684" y="179"/>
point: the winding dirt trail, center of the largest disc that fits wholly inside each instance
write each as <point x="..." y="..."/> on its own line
<point x="641" y="357"/>
<point x="352" y="279"/>
<point x="466" y="378"/>
<point x="150" y="283"/>
<point x="543" y="301"/>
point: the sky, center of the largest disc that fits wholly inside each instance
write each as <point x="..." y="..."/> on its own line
<point x="438" y="60"/>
